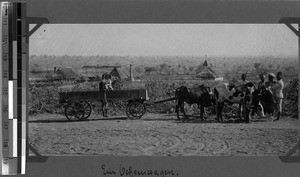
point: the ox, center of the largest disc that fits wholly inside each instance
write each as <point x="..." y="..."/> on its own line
<point x="202" y="96"/>
<point x="232" y="94"/>
<point x="263" y="102"/>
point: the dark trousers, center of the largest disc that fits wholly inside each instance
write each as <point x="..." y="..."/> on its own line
<point x="105" y="105"/>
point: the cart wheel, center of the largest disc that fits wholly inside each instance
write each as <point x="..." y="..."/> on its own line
<point x="74" y="110"/>
<point x="135" y="110"/>
<point x="87" y="108"/>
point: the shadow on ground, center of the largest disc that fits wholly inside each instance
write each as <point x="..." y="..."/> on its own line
<point x="194" y="119"/>
<point x="64" y="120"/>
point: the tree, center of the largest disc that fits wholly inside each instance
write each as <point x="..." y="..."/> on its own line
<point x="271" y="66"/>
<point x="98" y="78"/>
<point x="278" y="67"/>
<point x="163" y="66"/>
<point x="261" y="69"/>
<point x="149" y="69"/>
<point x="139" y="69"/>
<point x="233" y="80"/>
<point x="257" y="65"/>
<point x="81" y="79"/>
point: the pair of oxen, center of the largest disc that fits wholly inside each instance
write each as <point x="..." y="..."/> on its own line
<point x="253" y="101"/>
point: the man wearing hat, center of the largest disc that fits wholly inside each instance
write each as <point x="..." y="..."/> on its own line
<point x="278" y="95"/>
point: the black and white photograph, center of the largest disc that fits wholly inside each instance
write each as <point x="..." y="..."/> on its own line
<point x="163" y="90"/>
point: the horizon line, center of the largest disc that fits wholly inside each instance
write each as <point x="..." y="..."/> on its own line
<point x="205" y="56"/>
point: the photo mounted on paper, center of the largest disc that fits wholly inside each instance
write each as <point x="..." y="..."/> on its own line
<point x="163" y="89"/>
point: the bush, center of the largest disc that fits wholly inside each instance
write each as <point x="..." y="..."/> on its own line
<point x="43" y="100"/>
<point x="290" y="103"/>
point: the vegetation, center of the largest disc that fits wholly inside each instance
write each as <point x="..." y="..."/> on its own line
<point x="43" y="99"/>
<point x="290" y="102"/>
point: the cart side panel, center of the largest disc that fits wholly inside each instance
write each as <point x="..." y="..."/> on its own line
<point x="80" y="96"/>
<point x="140" y="94"/>
<point x="127" y="94"/>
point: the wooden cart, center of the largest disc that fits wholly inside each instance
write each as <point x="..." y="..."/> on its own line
<point x="78" y="104"/>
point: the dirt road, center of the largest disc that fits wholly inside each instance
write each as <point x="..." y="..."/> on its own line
<point x="160" y="135"/>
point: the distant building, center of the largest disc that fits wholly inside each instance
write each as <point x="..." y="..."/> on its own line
<point x="63" y="74"/>
<point x="125" y="73"/>
<point x="94" y="73"/>
<point x="210" y="73"/>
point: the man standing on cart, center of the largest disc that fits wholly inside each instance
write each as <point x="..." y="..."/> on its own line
<point x="105" y="85"/>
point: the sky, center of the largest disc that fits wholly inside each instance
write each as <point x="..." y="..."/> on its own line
<point x="164" y="40"/>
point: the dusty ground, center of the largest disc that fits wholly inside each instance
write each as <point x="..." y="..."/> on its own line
<point x="158" y="134"/>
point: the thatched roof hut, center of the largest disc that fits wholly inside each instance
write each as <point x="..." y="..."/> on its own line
<point x="210" y="73"/>
<point x="125" y="73"/>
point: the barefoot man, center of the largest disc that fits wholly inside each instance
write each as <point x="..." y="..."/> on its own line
<point x="278" y="95"/>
